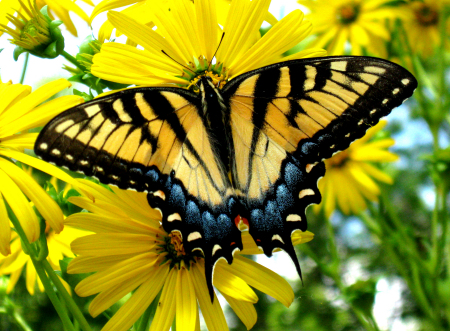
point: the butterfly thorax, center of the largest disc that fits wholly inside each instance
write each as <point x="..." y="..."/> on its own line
<point x="215" y="117"/>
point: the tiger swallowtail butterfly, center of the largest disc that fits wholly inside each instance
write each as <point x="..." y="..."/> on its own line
<point x="252" y="149"/>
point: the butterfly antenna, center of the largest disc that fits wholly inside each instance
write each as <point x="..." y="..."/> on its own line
<point x="177" y="62"/>
<point x="220" y="42"/>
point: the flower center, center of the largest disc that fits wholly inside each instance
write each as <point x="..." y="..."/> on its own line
<point x="174" y="249"/>
<point x="218" y="79"/>
<point x="338" y="160"/>
<point x="348" y="13"/>
<point x="426" y="15"/>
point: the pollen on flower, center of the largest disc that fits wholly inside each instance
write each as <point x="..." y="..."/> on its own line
<point x="172" y="249"/>
<point x="348" y="13"/>
<point x="426" y="15"/>
<point x="219" y="79"/>
<point x="177" y="243"/>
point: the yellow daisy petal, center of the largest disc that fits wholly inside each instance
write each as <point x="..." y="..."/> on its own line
<point x="329" y="194"/>
<point x="354" y="197"/>
<point x="244" y="310"/>
<point x="85" y="264"/>
<point x="107" y="244"/>
<point x="206" y="14"/>
<point x="300" y="237"/>
<point x="46" y="206"/>
<point x="243" y="19"/>
<point x="16" y="261"/>
<point x="108" y="5"/>
<point x="368" y="153"/>
<point x="13" y="278"/>
<point x="307" y="53"/>
<point x="186" y="303"/>
<point x="377" y="174"/>
<point x="261" y="278"/>
<point x="144" y="36"/>
<point x="226" y="282"/>
<point x="114" y="293"/>
<point x="30" y="277"/>
<point x="42" y="114"/>
<point x="20" y="206"/>
<point x="345" y="190"/>
<point x="122" y="271"/>
<point x="282" y="37"/>
<point x="358" y="174"/>
<point x="138" y="303"/>
<point x="11" y="94"/>
<point x="212" y="313"/>
<point x="166" y="311"/>
<point x="20" y="141"/>
<point x="32" y="100"/>
<point x="38" y="164"/>
<point x="107" y="224"/>
<point x="5" y="228"/>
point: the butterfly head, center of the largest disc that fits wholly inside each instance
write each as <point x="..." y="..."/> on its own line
<point x="217" y="78"/>
<point x="210" y="95"/>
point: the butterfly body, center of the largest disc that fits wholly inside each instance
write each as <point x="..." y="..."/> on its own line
<point x="253" y="149"/>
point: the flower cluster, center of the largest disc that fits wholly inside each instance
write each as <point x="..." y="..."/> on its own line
<point x="107" y="246"/>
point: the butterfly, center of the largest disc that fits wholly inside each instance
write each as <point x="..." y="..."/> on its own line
<point x="251" y="151"/>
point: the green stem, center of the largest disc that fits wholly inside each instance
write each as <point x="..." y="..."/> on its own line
<point x="408" y="261"/>
<point x="21" y="322"/>
<point x="72" y="60"/>
<point x="24" y="69"/>
<point x="434" y="229"/>
<point x="408" y="245"/>
<point x="42" y="275"/>
<point x="17" y="318"/>
<point x="420" y="293"/>
<point x="52" y="295"/>
<point x="77" y="314"/>
<point x="335" y="274"/>
<point x="332" y="245"/>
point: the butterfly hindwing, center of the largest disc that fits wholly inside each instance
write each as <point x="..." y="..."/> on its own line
<point x="286" y="118"/>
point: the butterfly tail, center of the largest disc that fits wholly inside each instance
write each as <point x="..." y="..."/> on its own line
<point x="209" y="271"/>
<point x="291" y="252"/>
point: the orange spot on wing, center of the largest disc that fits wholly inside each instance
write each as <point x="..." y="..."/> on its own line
<point x="240" y="220"/>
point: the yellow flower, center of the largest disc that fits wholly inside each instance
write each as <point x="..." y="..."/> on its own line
<point x="32" y="30"/>
<point x="142" y="11"/>
<point x="130" y="252"/>
<point x="422" y="25"/>
<point x="21" y="110"/>
<point x="58" y="246"/>
<point x="186" y="38"/>
<point x="361" y="23"/>
<point x="60" y="9"/>
<point x="349" y="175"/>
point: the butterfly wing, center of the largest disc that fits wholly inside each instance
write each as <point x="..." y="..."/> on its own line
<point x="152" y="140"/>
<point x="286" y="118"/>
